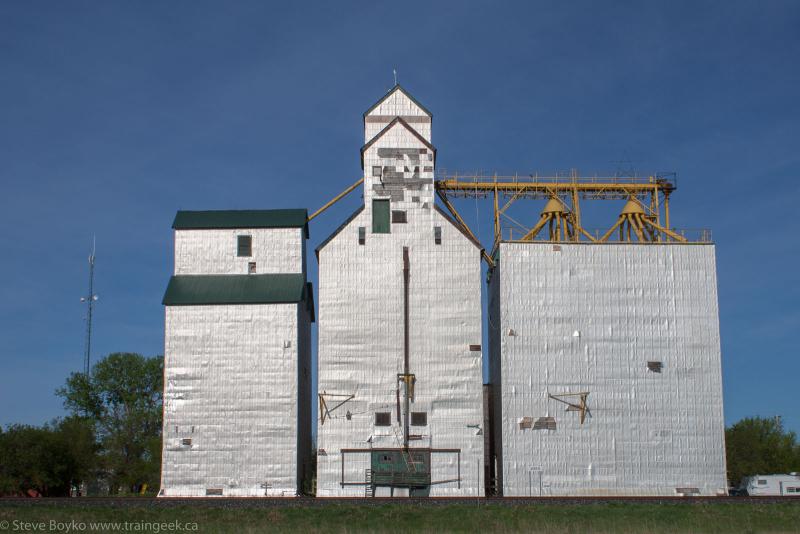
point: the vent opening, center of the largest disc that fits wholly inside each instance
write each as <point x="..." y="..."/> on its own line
<point x="545" y="423"/>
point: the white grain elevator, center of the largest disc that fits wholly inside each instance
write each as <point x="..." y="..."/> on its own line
<point x="400" y="383"/>
<point x="237" y="369"/>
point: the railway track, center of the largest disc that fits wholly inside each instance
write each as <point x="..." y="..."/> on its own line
<point x="289" y="502"/>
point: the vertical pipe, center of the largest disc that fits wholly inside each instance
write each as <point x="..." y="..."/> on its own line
<point x="459" y="468"/>
<point x="406" y="365"/>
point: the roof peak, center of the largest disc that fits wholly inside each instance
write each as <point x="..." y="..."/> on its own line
<point x="390" y="92"/>
<point x="397" y="120"/>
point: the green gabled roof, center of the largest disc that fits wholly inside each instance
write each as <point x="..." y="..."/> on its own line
<point x="193" y="290"/>
<point x="289" y="218"/>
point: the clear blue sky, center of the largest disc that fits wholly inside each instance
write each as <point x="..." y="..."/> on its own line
<point x="113" y="115"/>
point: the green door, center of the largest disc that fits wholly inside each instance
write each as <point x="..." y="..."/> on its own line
<point x="380" y="217"/>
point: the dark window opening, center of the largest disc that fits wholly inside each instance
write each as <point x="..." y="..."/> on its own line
<point x="655" y="366"/>
<point x="419" y="418"/>
<point x="475" y="348"/>
<point x="186" y="441"/>
<point x="383" y="419"/>
<point x="251" y="267"/>
<point x="244" y="245"/>
<point x="362" y="235"/>
<point x="437" y="235"/>
<point x="545" y="423"/>
<point x="376" y="170"/>
<point x="213" y="491"/>
<point x="380" y="217"/>
<point x="399" y="216"/>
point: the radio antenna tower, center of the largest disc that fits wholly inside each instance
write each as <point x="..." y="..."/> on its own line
<point x="89" y="299"/>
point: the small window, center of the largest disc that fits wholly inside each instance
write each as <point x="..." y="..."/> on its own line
<point x="362" y="235"/>
<point x="437" y="235"/>
<point x="244" y="245"/>
<point x="399" y="216"/>
<point x="383" y="419"/>
<point x="762" y="482"/>
<point x="380" y="217"/>
<point x="474" y="348"/>
<point x="423" y="150"/>
<point x="377" y="171"/>
<point x="251" y="267"/>
<point x="545" y="423"/>
<point x="655" y="366"/>
<point x="214" y="492"/>
<point x="186" y="441"/>
<point x="415" y="199"/>
<point x="419" y="418"/>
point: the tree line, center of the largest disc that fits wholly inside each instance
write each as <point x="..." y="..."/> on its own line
<point x="111" y="440"/>
<point x="109" y="443"/>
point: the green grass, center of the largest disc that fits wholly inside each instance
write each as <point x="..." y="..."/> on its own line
<point x="622" y="518"/>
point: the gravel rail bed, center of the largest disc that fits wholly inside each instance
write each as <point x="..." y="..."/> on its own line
<point x="293" y="502"/>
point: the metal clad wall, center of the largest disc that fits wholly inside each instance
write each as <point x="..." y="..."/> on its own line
<point x="397" y="105"/>
<point x="275" y="250"/>
<point x="361" y="325"/>
<point x="361" y="346"/>
<point x="231" y="387"/>
<point x="589" y="318"/>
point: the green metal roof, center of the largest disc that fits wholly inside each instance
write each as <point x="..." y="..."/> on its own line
<point x="188" y="290"/>
<point x="289" y="218"/>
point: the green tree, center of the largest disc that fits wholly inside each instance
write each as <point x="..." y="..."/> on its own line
<point x="758" y="445"/>
<point x="122" y="396"/>
<point x="51" y="459"/>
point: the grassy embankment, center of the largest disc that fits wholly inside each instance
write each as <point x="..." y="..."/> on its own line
<point x="622" y="518"/>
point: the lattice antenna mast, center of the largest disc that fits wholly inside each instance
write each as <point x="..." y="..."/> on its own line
<point x="89" y="299"/>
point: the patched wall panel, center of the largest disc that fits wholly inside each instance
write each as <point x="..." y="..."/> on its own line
<point x="594" y="319"/>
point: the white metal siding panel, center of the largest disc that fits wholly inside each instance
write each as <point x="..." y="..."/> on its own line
<point x="589" y="318"/>
<point x="231" y="386"/>
<point x="397" y="105"/>
<point x="275" y="250"/>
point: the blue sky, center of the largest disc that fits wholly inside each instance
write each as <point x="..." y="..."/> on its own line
<point x="113" y="115"/>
